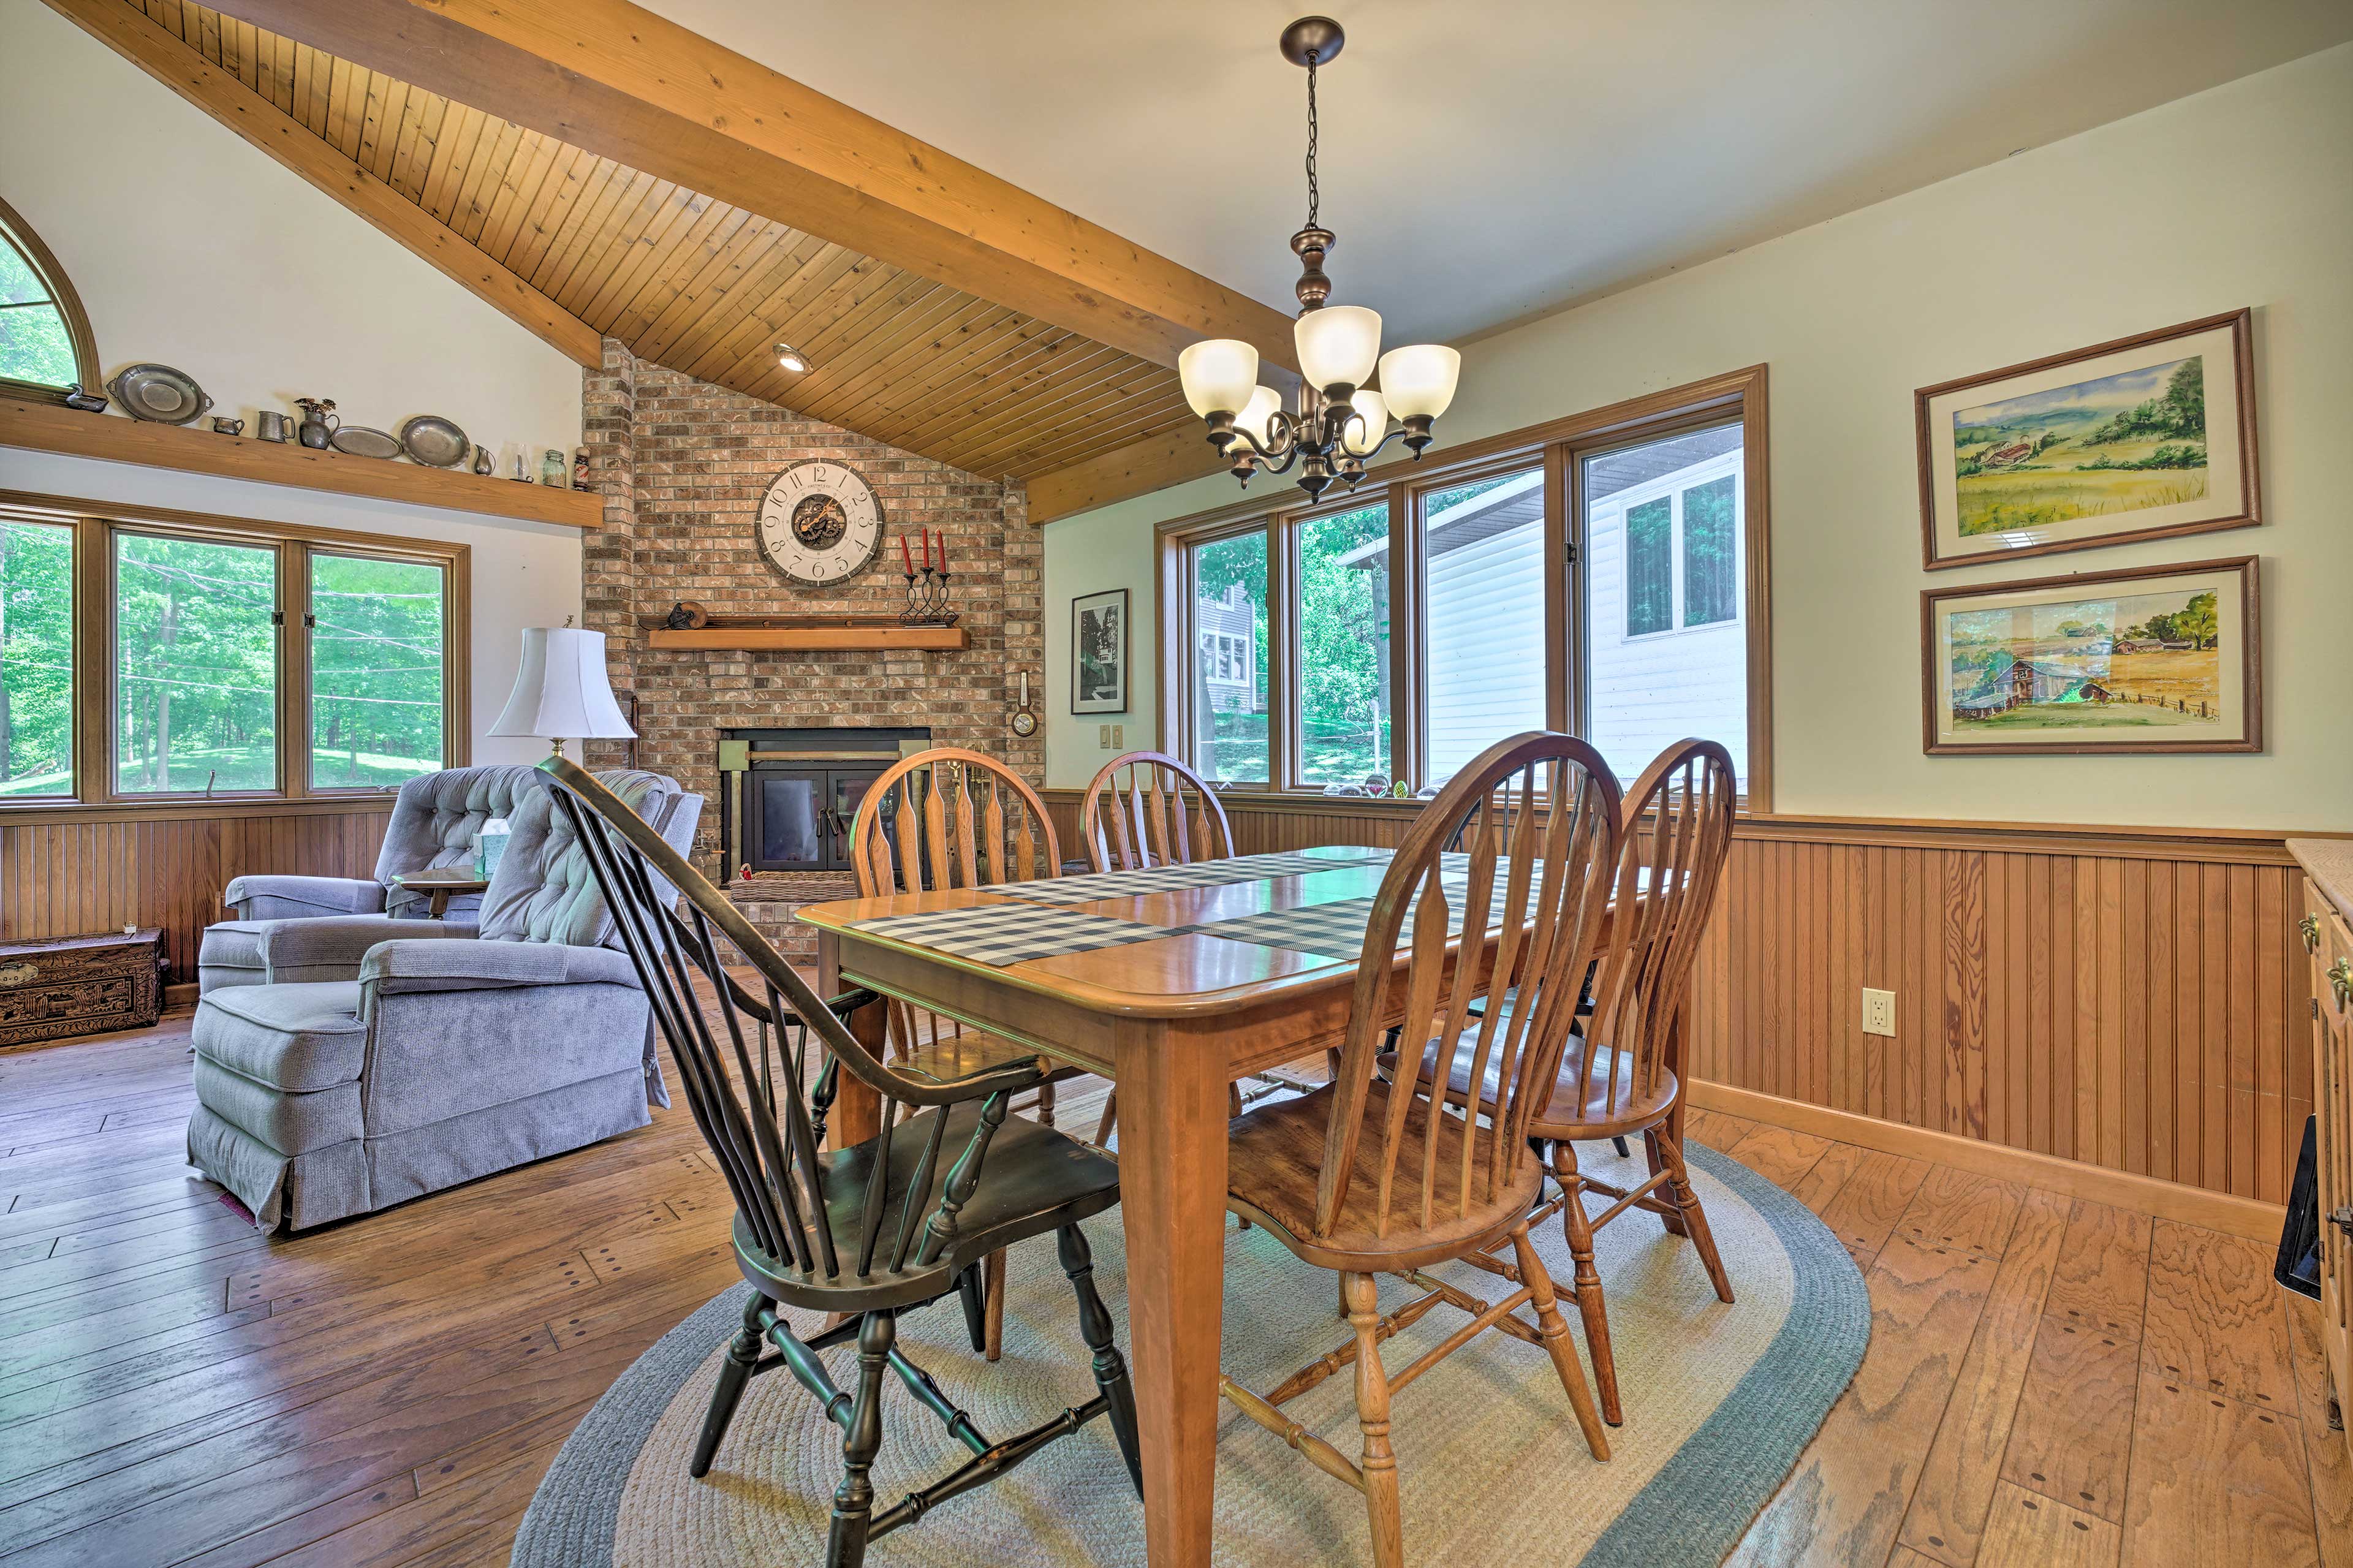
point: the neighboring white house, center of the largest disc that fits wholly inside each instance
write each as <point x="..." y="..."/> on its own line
<point x="1670" y="650"/>
<point x="1669" y="663"/>
<point x="1228" y="631"/>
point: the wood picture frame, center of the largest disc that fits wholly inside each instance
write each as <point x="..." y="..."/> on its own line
<point x="2145" y="436"/>
<point x="2062" y="669"/>
<point x="1099" y="652"/>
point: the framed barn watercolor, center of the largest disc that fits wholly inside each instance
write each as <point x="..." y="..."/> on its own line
<point x="2143" y="437"/>
<point x="2161" y="660"/>
<point x="1099" y="653"/>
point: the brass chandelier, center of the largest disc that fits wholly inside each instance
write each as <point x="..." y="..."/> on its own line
<point x="1340" y="422"/>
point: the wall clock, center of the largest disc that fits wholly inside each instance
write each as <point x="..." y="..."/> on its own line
<point x="819" y="524"/>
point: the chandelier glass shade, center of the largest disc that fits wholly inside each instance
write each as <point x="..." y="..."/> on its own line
<point x="1340" y="421"/>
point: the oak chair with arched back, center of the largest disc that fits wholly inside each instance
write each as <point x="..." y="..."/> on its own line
<point x="947" y="818"/>
<point x="1366" y="1177"/>
<point x="1141" y="820"/>
<point x="1136" y="815"/>
<point x="1617" y="1078"/>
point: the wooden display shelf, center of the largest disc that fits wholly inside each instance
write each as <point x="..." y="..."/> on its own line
<point x="199" y="449"/>
<point x="811" y="639"/>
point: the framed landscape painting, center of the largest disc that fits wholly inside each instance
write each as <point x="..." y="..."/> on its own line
<point x="2139" y="438"/>
<point x="1099" y="653"/>
<point x="2163" y="660"/>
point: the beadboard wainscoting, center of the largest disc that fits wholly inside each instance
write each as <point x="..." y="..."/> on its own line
<point x="2131" y="999"/>
<point x="70" y="871"/>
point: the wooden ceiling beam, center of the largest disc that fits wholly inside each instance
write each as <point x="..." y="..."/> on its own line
<point x="220" y="93"/>
<point x="636" y="87"/>
<point x="1137" y="469"/>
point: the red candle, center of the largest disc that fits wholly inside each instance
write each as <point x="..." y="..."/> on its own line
<point x="905" y="559"/>
<point x="944" y="550"/>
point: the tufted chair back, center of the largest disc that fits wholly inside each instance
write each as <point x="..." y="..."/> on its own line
<point x="435" y="816"/>
<point x="544" y="888"/>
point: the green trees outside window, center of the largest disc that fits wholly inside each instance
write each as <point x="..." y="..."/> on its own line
<point x="1344" y="648"/>
<point x="1711" y="568"/>
<point x="1649" y="567"/>
<point x="195" y="666"/>
<point x="37" y="660"/>
<point x="376" y="653"/>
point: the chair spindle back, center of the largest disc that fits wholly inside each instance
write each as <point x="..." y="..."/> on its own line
<point x="950" y="819"/>
<point x="1138" y="815"/>
<point x="1677" y="836"/>
<point x="738" y="1019"/>
<point x="1537" y="816"/>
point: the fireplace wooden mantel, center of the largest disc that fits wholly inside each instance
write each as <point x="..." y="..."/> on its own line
<point x="811" y="639"/>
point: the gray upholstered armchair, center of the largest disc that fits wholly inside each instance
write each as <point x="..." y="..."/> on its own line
<point x="433" y="825"/>
<point x="381" y="1060"/>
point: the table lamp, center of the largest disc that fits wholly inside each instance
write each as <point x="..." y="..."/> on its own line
<point x="561" y="691"/>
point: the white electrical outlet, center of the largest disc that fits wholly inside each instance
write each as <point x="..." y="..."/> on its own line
<point x="1878" y="1012"/>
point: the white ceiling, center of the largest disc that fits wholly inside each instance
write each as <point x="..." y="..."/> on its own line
<point x="1484" y="161"/>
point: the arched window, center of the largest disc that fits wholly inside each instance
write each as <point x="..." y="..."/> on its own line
<point x="45" y="340"/>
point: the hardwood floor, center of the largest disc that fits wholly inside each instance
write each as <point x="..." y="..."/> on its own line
<point x="2050" y="1380"/>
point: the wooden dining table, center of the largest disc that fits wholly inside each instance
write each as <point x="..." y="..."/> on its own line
<point x="1173" y="987"/>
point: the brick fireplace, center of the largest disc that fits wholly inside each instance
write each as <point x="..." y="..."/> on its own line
<point x="681" y="466"/>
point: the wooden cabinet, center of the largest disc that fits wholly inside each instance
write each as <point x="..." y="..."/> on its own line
<point x="2329" y="944"/>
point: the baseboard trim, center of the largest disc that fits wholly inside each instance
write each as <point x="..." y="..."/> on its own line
<point x="2121" y="1189"/>
<point x="178" y="996"/>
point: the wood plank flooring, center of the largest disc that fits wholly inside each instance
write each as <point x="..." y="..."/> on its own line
<point x="2049" y="1381"/>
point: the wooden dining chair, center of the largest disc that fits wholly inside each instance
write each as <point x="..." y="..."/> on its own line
<point x="945" y="818"/>
<point x="1144" y="809"/>
<point x="1365" y="1176"/>
<point x="1617" y="1078"/>
<point x="864" y="1234"/>
<point x="1147" y="808"/>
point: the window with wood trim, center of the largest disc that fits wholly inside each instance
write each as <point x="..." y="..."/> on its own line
<point x="1603" y="573"/>
<point x="46" y="345"/>
<point x="149" y="656"/>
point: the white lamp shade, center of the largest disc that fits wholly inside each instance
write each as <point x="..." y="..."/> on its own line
<point x="1264" y="404"/>
<point x="561" y="691"/>
<point x="1364" y="432"/>
<point x="1419" y="380"/>
<point x="1219" y="374"/>
<point x="1337" y="345"/>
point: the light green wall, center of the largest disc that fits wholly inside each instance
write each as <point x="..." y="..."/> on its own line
<point x="2241" y="195"/>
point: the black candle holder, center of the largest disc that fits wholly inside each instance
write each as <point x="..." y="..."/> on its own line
<point x="928" y="600"/>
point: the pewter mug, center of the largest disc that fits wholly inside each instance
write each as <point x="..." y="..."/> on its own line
<point x="272" y="425"/>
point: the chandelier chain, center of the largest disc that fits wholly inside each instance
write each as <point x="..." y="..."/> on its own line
<point x="1314" y="197"/>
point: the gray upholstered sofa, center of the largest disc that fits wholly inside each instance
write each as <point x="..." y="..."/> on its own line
<point x="379" y="1060"/>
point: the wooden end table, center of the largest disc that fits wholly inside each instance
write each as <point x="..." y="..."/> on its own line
<point x="442" y="884"/>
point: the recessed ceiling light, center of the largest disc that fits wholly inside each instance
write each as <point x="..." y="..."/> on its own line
<point x="791" y="359"/>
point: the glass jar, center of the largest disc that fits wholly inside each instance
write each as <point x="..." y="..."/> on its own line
<point x="552" y="470"/>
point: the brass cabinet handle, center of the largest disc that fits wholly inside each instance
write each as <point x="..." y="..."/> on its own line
<point x="2342" y="1219"/>
<point x="2310" y="928"/>
<point x="2340" y="981"/>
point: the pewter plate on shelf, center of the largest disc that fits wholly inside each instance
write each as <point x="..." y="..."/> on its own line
<point x="362" y="442"/>
<point x="436" y="442"/>
<point x="160" y="393"/>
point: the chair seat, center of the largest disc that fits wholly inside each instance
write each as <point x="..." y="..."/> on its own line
<point x="300" y="1038"/>
<point x="962" y="1055"/>
<point x="1604" y="1110"/>
<point x="1275" y="1153"/>
<point x="1036" y="1179"/>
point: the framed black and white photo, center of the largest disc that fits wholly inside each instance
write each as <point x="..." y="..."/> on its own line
<point x="1099" y="653"/>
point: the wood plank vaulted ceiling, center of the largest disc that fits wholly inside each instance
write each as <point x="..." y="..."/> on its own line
<point x="709" y="289"/>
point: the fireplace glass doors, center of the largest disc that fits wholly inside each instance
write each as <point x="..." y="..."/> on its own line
<point x="793" y="795"/>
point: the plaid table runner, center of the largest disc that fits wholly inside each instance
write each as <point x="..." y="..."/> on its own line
<point x="1337" y="929"/>
<point x="1008" y="933"/>
<point x="1163" y="879"/>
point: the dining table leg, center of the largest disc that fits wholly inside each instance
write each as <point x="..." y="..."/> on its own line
<point x="1172" y="1167"/>
<point x="857" y="1109"/>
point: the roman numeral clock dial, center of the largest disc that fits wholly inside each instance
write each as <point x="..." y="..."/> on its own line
<point x="819" y="524"/>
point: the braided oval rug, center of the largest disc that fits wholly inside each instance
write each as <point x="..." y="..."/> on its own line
<point x="1719" y="1401"/>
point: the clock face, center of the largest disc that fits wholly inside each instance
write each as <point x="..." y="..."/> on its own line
<point x="819" y="524"/>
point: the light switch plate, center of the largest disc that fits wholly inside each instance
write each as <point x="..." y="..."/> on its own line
<point x="1119" y="737"/>
<point x="1878" y="1012"/>
<point x="1102" y="736"/>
